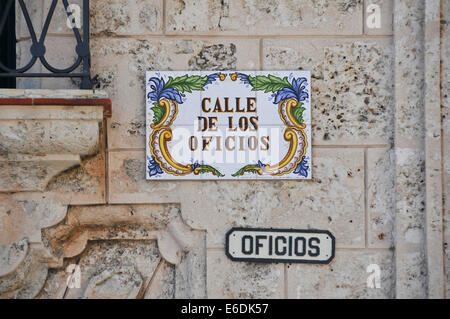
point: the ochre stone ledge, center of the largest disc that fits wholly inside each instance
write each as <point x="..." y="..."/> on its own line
<point x="106" y="103"/>
<point x="19" y="97"/>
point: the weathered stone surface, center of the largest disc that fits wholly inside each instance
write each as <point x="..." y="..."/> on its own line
<point x="11" y="256"/>
<point x="23" y="269"/>
<point x="380" y="199"/>
<point x="38" y="142"/>
<point x="33" y="112"/>
<point x="345" y="277"/>
<point x="68" y="112"/>
<point x="115" y="269"/>
<point x="23" y="215"/>
<point x="19" y="173"/>
<point x="163" y="284"/>
<point x="333" y="200"/>
<point x="243" y="280"/>
<point x="136" y="256"/>
<point x="23" y="58"/>
<point x="82" y="184"/>
<point x="121" y="64"/>
<point x="265" y="17"/>
<point x="59" y="23"/>
<point x="55" y="286"/>
<point x="42" y="130"/>
<point x="34" y="8"/>
<point x="27" y="279"/>
<point x="35" y="137"/>
<point x="124" y="227"/>
<point x="190" y="274"/>
<point x="352" y="86"/>
<point x="411" y="265"/>
<point x="126" y="17"/>
<point x="445" y="95"/>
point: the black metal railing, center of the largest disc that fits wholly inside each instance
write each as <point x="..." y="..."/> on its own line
<point x="38" y="48"/>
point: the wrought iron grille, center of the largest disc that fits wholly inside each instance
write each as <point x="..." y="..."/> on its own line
<point x="38" y="48"/>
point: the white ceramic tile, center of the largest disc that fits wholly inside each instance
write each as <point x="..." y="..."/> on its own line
<point x="225" y="150"/>
<point x="266" y="101"/>
<point x="187" y="110"/>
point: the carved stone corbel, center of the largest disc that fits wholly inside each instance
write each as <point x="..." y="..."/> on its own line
<point x="43" y="133"/>
<point x="50" y="246"/>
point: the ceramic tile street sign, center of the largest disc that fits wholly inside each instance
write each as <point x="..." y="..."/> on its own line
<point x="283" y="245"/>
<point x="228" y="125"/>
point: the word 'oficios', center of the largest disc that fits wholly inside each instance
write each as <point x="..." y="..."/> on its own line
<point x="269" y="245"/>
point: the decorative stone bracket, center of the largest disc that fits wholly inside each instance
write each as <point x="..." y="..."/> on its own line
<point x="29" y="249"/>
<point x="122" y="222"/>
<point x="43" y="133"/>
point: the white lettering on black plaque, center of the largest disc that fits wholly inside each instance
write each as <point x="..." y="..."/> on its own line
<point x="284" y="245"/>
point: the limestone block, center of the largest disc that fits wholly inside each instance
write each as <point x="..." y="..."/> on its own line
<point x="40" y="137"/>
<point x="352" y="95"/>
<point x="32" y="173"/>
<point x="50" y="112"/>
<point x="133" y="236"/>
<point x="38" y="142"/>
<point x="61" y="54"/>
<point x="23" y="257"/>
<point x="346" y="277"/>
<point x="39" y="10"/>
<point x="163" y="286"/>
<point x="23" y="215"/>
<point x="119" y="67"/>
<point x="115" y="269"/>
<point x="412" y="204"/>
<point x="433" y="150"/>
<point x="131" y="17"/>
<point x="55" y="286"/>
<point x="118" y="251"/>
<point x="264" y="17"/>
<point x="129" y="269"/>
<point x="12" y="256"/>
<point x="446" y="135"/>
<point x="27" y="279"/>
<point x="380" y="198"/>
<point x="23" y="57"/>
<point x="333" y="200"/>
<point x="237" y="280"/>
<point x="190" y="275"/>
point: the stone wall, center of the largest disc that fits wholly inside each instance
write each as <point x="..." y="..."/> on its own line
<point x="378" y="171"/>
